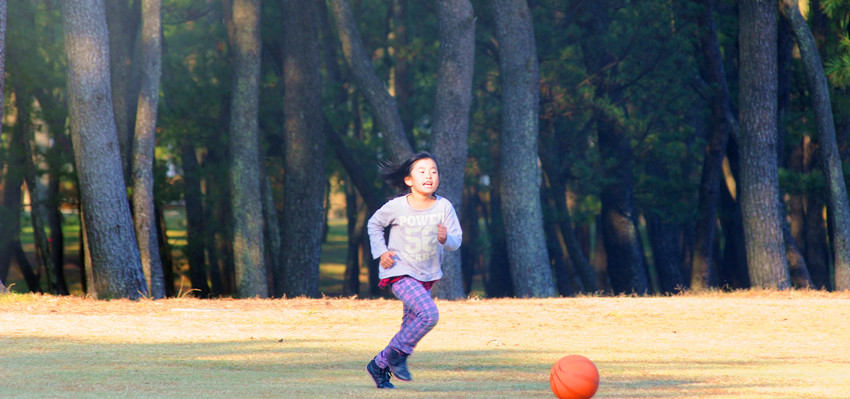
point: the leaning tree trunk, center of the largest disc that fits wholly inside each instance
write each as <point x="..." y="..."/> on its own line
<point x="383" y="105"/>
<point x="520" y="175"/>
<point x="304" y="180"/>
<point x="451" y="120"/>
<point x="144" y="141"/>
<point x="109" y="228"/>
<point x="759" y="181"/>
<point x="839" y="208"/>
<point x="246" y="201"/>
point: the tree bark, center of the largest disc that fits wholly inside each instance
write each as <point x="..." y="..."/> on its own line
<point x="383" y="105"/>
<point x="721" y="125"/>
<point x="122" y="19"/>
<point x="111" y="240"/>
<point x="838" y="207"/>
<point x="626" y="265"/>
<point x="451" y="120"/>
<point x="304" y="179"/>
<point x="193" y="198"/>
<point x="520" y="175"/>
<point x="42" y="248"/>
<point x="144" y="141"/>
<point x="246" y="201"/>
<point x="759" y="182"/>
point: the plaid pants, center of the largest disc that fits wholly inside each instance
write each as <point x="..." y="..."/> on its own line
<point x="420" y="317"/>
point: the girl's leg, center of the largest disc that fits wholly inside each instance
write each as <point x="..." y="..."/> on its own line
<point x="420" y="317"/>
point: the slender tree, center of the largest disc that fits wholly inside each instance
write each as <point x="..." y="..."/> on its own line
<point x="759" y="181"/>
<point x="111" y="240"/>
<point x="2" y="90"/>
<point x="839" y="208"/>
<point x="304" y="179"/>
<point x="246" y="200"/>
<point x="144" y="140"/>
<point x="519" y="172"/>
<point x="624" y="251"/>
<point x="721" y="124"/>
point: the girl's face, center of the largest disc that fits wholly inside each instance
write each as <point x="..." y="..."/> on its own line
<point x="424" y="177"/>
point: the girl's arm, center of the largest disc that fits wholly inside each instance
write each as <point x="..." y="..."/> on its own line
<point x="375" y="227"/>
<point x="454" y="234"/>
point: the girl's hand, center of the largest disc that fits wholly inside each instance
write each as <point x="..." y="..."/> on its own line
<point x="442" y="233"/>
<point x="387" y="260"/>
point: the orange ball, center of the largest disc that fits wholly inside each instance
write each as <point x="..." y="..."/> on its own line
<point x="574" y="377"/>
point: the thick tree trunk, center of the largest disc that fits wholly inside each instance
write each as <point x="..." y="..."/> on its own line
<point x="838" y="206"/>
<point x="451" y="121"/>
<point x="246" y="201"/>
<point x="144" y="141"/>
<point x="111" y="240"/>
<point x="759" y="181"/>
<point x="304" y="180"/>
<point x="520" y="175"/>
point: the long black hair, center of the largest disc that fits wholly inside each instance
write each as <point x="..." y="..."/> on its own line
<point x="394" y="174"/>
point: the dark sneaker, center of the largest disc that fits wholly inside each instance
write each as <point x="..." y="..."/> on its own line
<point x="380" y="375"/>
<point x="398" y="365"/>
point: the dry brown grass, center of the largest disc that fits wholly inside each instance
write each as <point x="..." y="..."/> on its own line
<point x="712" y="345"/>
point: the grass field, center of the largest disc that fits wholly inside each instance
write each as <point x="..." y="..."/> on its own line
<point x="736" y="345"/>
<point x="713" y="345"/>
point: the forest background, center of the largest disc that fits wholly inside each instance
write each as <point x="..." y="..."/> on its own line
<point x="608" y="147"/>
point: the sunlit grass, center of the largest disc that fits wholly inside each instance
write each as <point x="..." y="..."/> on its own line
<point x="764" y="346"/>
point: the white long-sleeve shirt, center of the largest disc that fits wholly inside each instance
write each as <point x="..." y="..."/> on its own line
<point x="413" y="237"/>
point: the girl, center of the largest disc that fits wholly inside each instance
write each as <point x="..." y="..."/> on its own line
<point x="422" y="226"/>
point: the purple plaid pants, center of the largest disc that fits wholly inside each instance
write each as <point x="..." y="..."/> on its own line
<point x="420" y="317"/>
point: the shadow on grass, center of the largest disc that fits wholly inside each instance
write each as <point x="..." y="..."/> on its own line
<point x="38" y="367"/>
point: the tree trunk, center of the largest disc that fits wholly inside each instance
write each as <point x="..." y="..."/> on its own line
<point x="42" y="248"/>
<point x="271" y="231"/>
<point x="664" y="239"/>
<point x="498" y="283"/>
<point x="383" y="105"/>
<point x="144" y="141"/>
<point x="759" y="182"/>
<point x="400" y="73"/>
<point x="626" y="266"/>
<point x="10" y="214"/>
<point x="550" y="159"/>
<point x="304" y="180"/>
<point x="111" y="240"/>
<point x="246" y="201"/>
<point x="838" y="206"/>
<point x="356" y="216"/>
<point x="520" y="176"/>
<point x="722" y="123"/>
<point x="122" y="19"/>
<point x="195" y="233"/>
<point x="451" y="121"/>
